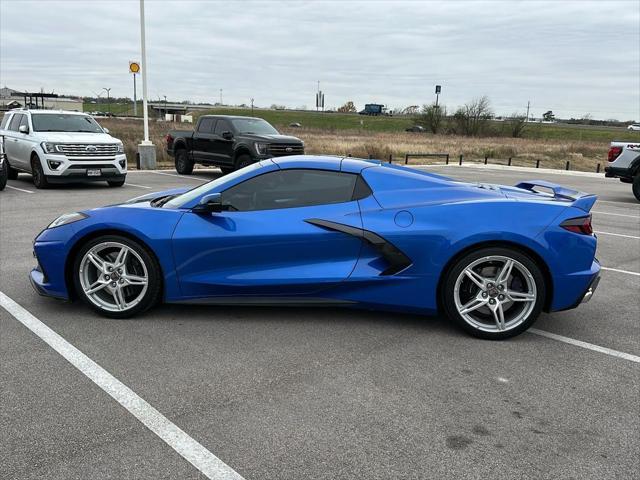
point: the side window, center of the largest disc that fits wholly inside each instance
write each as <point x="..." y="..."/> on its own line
<point x="5" y="121"/>
<point x="15" y="122"/>
<point x="206" y="125"/>
<point x="290" y="189"/>
<point x="24" y="121"/>
<point x="222" y="126"/>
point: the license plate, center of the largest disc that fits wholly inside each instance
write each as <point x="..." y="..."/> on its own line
<point x="94" y="172"/>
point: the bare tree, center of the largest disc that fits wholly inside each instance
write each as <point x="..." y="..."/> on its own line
<point x="432" y="117"/>
<point x="472" y="118"/>
<point x="348" y="107"/>
<point x="516" y="124"/>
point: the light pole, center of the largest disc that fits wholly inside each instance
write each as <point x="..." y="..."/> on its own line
<point x="252" y="106"/>
<point x="108" y="99"/>
<point x="220" y="97"/>
<point x="146" y="149"/>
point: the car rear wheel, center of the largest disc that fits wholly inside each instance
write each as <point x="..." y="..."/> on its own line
<point x="636" y="187"/>
<point x="494" y="293"/>
<point x="184" y="166"/>
<point x="39" y="178"/>
<point x="117" y="277"/>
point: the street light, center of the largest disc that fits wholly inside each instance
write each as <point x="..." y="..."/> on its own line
<point x="146" y="149"/>
<point x="108" y="99"/>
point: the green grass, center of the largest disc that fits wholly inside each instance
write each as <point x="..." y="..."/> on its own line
<point x="334" y="122"/>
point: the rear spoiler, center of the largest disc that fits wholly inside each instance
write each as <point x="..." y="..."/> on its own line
<point x="581" y="200"/>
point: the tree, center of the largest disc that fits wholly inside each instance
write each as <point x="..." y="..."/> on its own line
<point x="516" y="124"/>
<point x="548" y="116"/>
<point x="348" y="107"/>
<point x="472" y="118"/>
<point x="432" y="117"/>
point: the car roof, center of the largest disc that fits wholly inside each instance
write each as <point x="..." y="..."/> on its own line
<point x="325" y="162"/>
<point x="49" y="112"/>
<point x="231" y="117"/>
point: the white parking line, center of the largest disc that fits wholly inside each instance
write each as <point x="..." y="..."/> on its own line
<point x="134" y="185"/>
<point x="588" y="346"/>
<point x="201" y="458"/>
<point x="616" y="214"/>
<point x="186" y="177"/>
<point x="616" y="234"/>
<point x="19" y="189"/>
<point x="621" y="271"/>
<point x="622" y="204"/>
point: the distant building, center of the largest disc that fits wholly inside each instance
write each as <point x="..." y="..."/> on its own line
<point x="10" y="98"/>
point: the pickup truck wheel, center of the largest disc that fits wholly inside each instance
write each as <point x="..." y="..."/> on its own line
<point x="184" y="166"/>
<point x="636" y="186"/>
<point x="243" y="160"/>
<point x="39" y="179"/>
<point x="226" y="170"/>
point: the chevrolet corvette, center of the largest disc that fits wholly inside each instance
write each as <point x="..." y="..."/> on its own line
<point x="319" y="230"/>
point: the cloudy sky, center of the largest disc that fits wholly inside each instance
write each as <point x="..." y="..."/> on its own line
<point x="573" y="57"/>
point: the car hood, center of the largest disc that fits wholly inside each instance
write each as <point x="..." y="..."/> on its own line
<point x="273" y="138"/>
<point x="78" y="137"/>
<point x="149" y="197"/>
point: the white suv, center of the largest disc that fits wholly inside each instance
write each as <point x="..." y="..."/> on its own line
<point x="55" y="146"/>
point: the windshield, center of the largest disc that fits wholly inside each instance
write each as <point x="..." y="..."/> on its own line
<point x="253" y="125"/>
<point x="183" y="199"/>
<point x="61" y="122"/>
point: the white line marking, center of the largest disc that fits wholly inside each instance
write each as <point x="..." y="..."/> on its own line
<point x="186" y="177"/>
<point x="620" y="271"/>
<point x="616" y="234"/>
<point x="19" y="189"/>
<point x="588" y="346"/>
<point x="201" y="458"/>
<point x="616" y="214"/>
<point x="134" y="185"/>
<point x="625" y="204"/>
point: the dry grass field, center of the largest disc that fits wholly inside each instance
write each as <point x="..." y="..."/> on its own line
<point x="552" y="153"/>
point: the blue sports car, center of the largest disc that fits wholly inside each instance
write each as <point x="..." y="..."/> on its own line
<point x="313" y="230"/>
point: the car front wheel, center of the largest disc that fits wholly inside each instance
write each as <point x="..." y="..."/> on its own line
<point x="117" y="276"/>
<point x="39" y="178"/>
<point x="636" y="187"/>
<point x="494" y="293"/>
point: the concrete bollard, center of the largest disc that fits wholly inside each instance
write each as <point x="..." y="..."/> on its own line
<point x="147" y="156"/>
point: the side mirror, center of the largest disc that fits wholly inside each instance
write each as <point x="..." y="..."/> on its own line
<point x="211" y="203"/>
<point x="106" y="130"/>
<point x="23" y="129"/>
<point x="227" y="135"/>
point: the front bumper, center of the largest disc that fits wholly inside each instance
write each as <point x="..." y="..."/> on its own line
<point x="75" y="168"/>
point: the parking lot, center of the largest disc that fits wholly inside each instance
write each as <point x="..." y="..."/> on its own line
<point x="325" y="393"/>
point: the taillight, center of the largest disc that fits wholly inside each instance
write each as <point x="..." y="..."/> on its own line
<point x="580" y="225"/>
<point x="168" y="139"/>
<point x="614" y="152"/>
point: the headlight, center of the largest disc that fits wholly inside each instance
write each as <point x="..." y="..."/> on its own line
<point x="120" y="148"/>
<point x="67" y="218"/>
<point x="49" y="147"/>
<point x="262" y="148"/>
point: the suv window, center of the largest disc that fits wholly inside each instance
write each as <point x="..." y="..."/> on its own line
<point x="15" y="122"/>
<point x="24" y="121"/>
<point x="290" y="189"/>
<point x="222" y="126"/>
<point x="206" y="125"/>
<point x="5" y="120"/>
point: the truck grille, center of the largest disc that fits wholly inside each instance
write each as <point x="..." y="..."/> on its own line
<point x="283" y="149"/>
<point x="88" y="149"/>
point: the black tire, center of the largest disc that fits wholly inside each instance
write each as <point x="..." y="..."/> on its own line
<point x="226" y="170"/>
<point x="153" y="293"/>
<point x="4" y="173"/>
<point x="116" y="183"/>
<point x="529" y="312"/>
<point x="39" y="178"/>
<point x="184" y="165"/>
<point x="12" y="173"/>
<point x="636" y="187"/>
<point x="243" y="160"/>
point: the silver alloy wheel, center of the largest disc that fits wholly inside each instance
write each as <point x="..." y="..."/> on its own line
<point x="113" y="276"/>
<point x="495" y="293"/>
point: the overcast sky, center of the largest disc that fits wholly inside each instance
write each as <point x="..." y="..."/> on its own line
<point x="572" y="57"/>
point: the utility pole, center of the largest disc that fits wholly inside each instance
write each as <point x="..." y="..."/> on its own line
<point x="220" y="96"/>
<point x="108" y="99"/>
<point x="146" y="149"/>
<point x="252" y="106"/>
<point x="318" y="97"/>
<point x="166" y="112"/>
<point x="135" y="100"/>
<point x="528" y="104"/>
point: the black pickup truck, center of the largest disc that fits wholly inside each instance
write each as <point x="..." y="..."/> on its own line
<point x="228" y="142"/>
